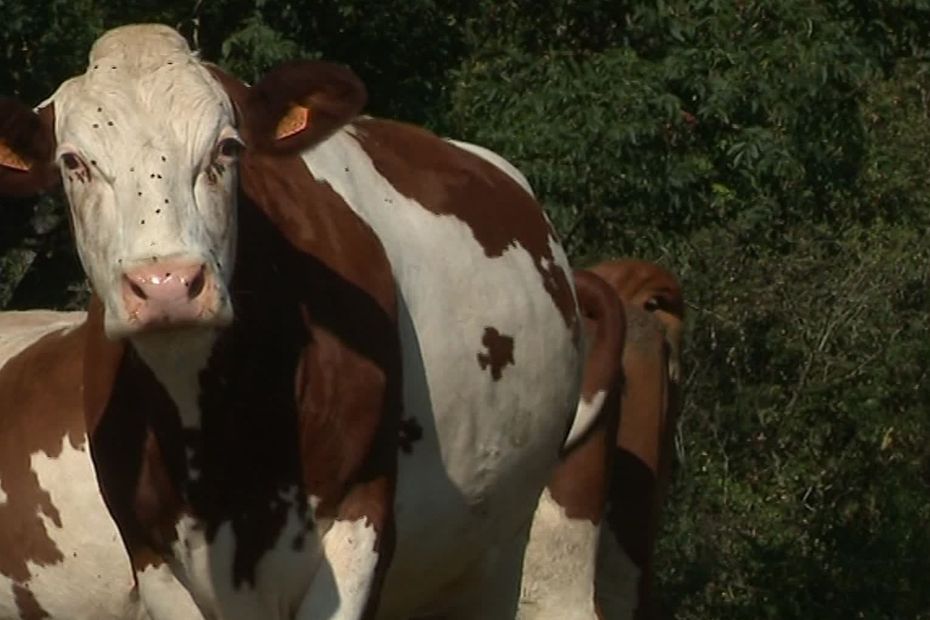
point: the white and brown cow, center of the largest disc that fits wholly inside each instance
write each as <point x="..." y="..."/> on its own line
<point x="325" y="377"/>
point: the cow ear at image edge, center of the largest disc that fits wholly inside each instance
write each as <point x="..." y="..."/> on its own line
<point x="301" y="103"/>
<point x="27" y="147"/>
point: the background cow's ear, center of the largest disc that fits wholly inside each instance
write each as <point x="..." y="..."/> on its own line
<point x="27" y="148"/>
<point x="302" y="102"/>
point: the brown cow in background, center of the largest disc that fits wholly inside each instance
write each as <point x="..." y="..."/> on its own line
<point x="615" y="473"/>
<point x="654" y="306"/>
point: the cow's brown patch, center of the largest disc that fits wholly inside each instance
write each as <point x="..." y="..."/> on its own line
<point x="498" y="354"/>
<point x="27" y="605"/>
<point x="41" y="391"/>
<point x="128" y="411"/>
<point x="447" y="180"/>
<point x="349" y="377"/>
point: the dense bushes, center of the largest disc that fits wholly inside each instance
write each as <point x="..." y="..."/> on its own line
<point x="771" y="153"/>
<point x="804" y="469"/>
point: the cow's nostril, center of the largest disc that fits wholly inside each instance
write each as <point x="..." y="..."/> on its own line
<point x="137" y="290"/>
<point x="195" y="286"/>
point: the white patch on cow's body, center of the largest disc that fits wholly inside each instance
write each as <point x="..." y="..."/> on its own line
<point x="617" y="579"/>
<point x="177" y="359"/>
<point x="343" y="582"/>
<point x="164" y="597"/>
<point x="493" y="158"/>
<point x="143" y="123"/>
<point x="193" y="562"/>
<point x="585" y="416"/>
<point x="488" y="446"/>
<point x="558" y="568"/>
<point x="282" y="575"/>
<point x="93" y="578"/>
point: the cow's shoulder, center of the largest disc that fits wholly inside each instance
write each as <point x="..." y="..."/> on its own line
<point x="308" y="226"/>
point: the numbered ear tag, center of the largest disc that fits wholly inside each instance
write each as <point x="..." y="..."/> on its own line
<point x="296" y="120"/>
<point x="10" y="159"/>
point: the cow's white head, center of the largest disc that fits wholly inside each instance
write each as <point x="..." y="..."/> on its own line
<point x="146" y="145"/>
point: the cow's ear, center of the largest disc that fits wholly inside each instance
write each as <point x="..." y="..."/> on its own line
<point x="27" y="148"/>
<point x="301" y="103"/>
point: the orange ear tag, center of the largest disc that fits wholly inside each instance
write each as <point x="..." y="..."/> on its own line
<point x="293" y="122"/>
<point x="10" y="159"/>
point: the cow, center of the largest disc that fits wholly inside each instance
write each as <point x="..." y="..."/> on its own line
<point x="560" y="562"/>
<point x="618" y="472"/>
<point x="57" y="540"/>
<point x="330" y="360"/>
<point x="655" y="309"/>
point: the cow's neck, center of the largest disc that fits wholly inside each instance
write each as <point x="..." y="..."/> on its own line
<point x="177" y="359"/>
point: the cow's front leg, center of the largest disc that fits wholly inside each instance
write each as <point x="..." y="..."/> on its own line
<point x="357" y="549"/>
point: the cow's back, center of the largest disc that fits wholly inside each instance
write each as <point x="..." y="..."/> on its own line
<point x="20" y="329"/>
<point x="490" y="335"/>
<point x="60" y="553"/>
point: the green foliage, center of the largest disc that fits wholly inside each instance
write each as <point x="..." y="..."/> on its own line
<point x="567" y="120"/>
<point x="402" y="50"/>
<point x="771" y="153"/>
<point x="734" y="114"/>
<point x="256" y="47"/>
<point x="803" y="466"/>
<point x="39" y="48"/>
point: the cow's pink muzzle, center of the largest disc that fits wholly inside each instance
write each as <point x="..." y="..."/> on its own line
<point x="169" y="293"/>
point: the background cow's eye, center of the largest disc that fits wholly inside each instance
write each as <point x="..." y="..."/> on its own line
<point x="229" y="148"/>
<point x="71" y="161"/>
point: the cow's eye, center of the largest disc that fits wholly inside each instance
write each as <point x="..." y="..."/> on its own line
<point x="71" y="161"/>
<point x="229" y="148"/>
<point x="652" y="304"/>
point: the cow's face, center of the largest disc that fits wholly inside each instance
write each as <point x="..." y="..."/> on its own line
<point x="146" y="144"/>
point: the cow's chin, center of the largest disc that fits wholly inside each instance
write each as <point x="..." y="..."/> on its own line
<point x="120" y="323"/>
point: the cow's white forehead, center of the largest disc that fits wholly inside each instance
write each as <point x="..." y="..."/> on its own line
<point x="144" y="91"/>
